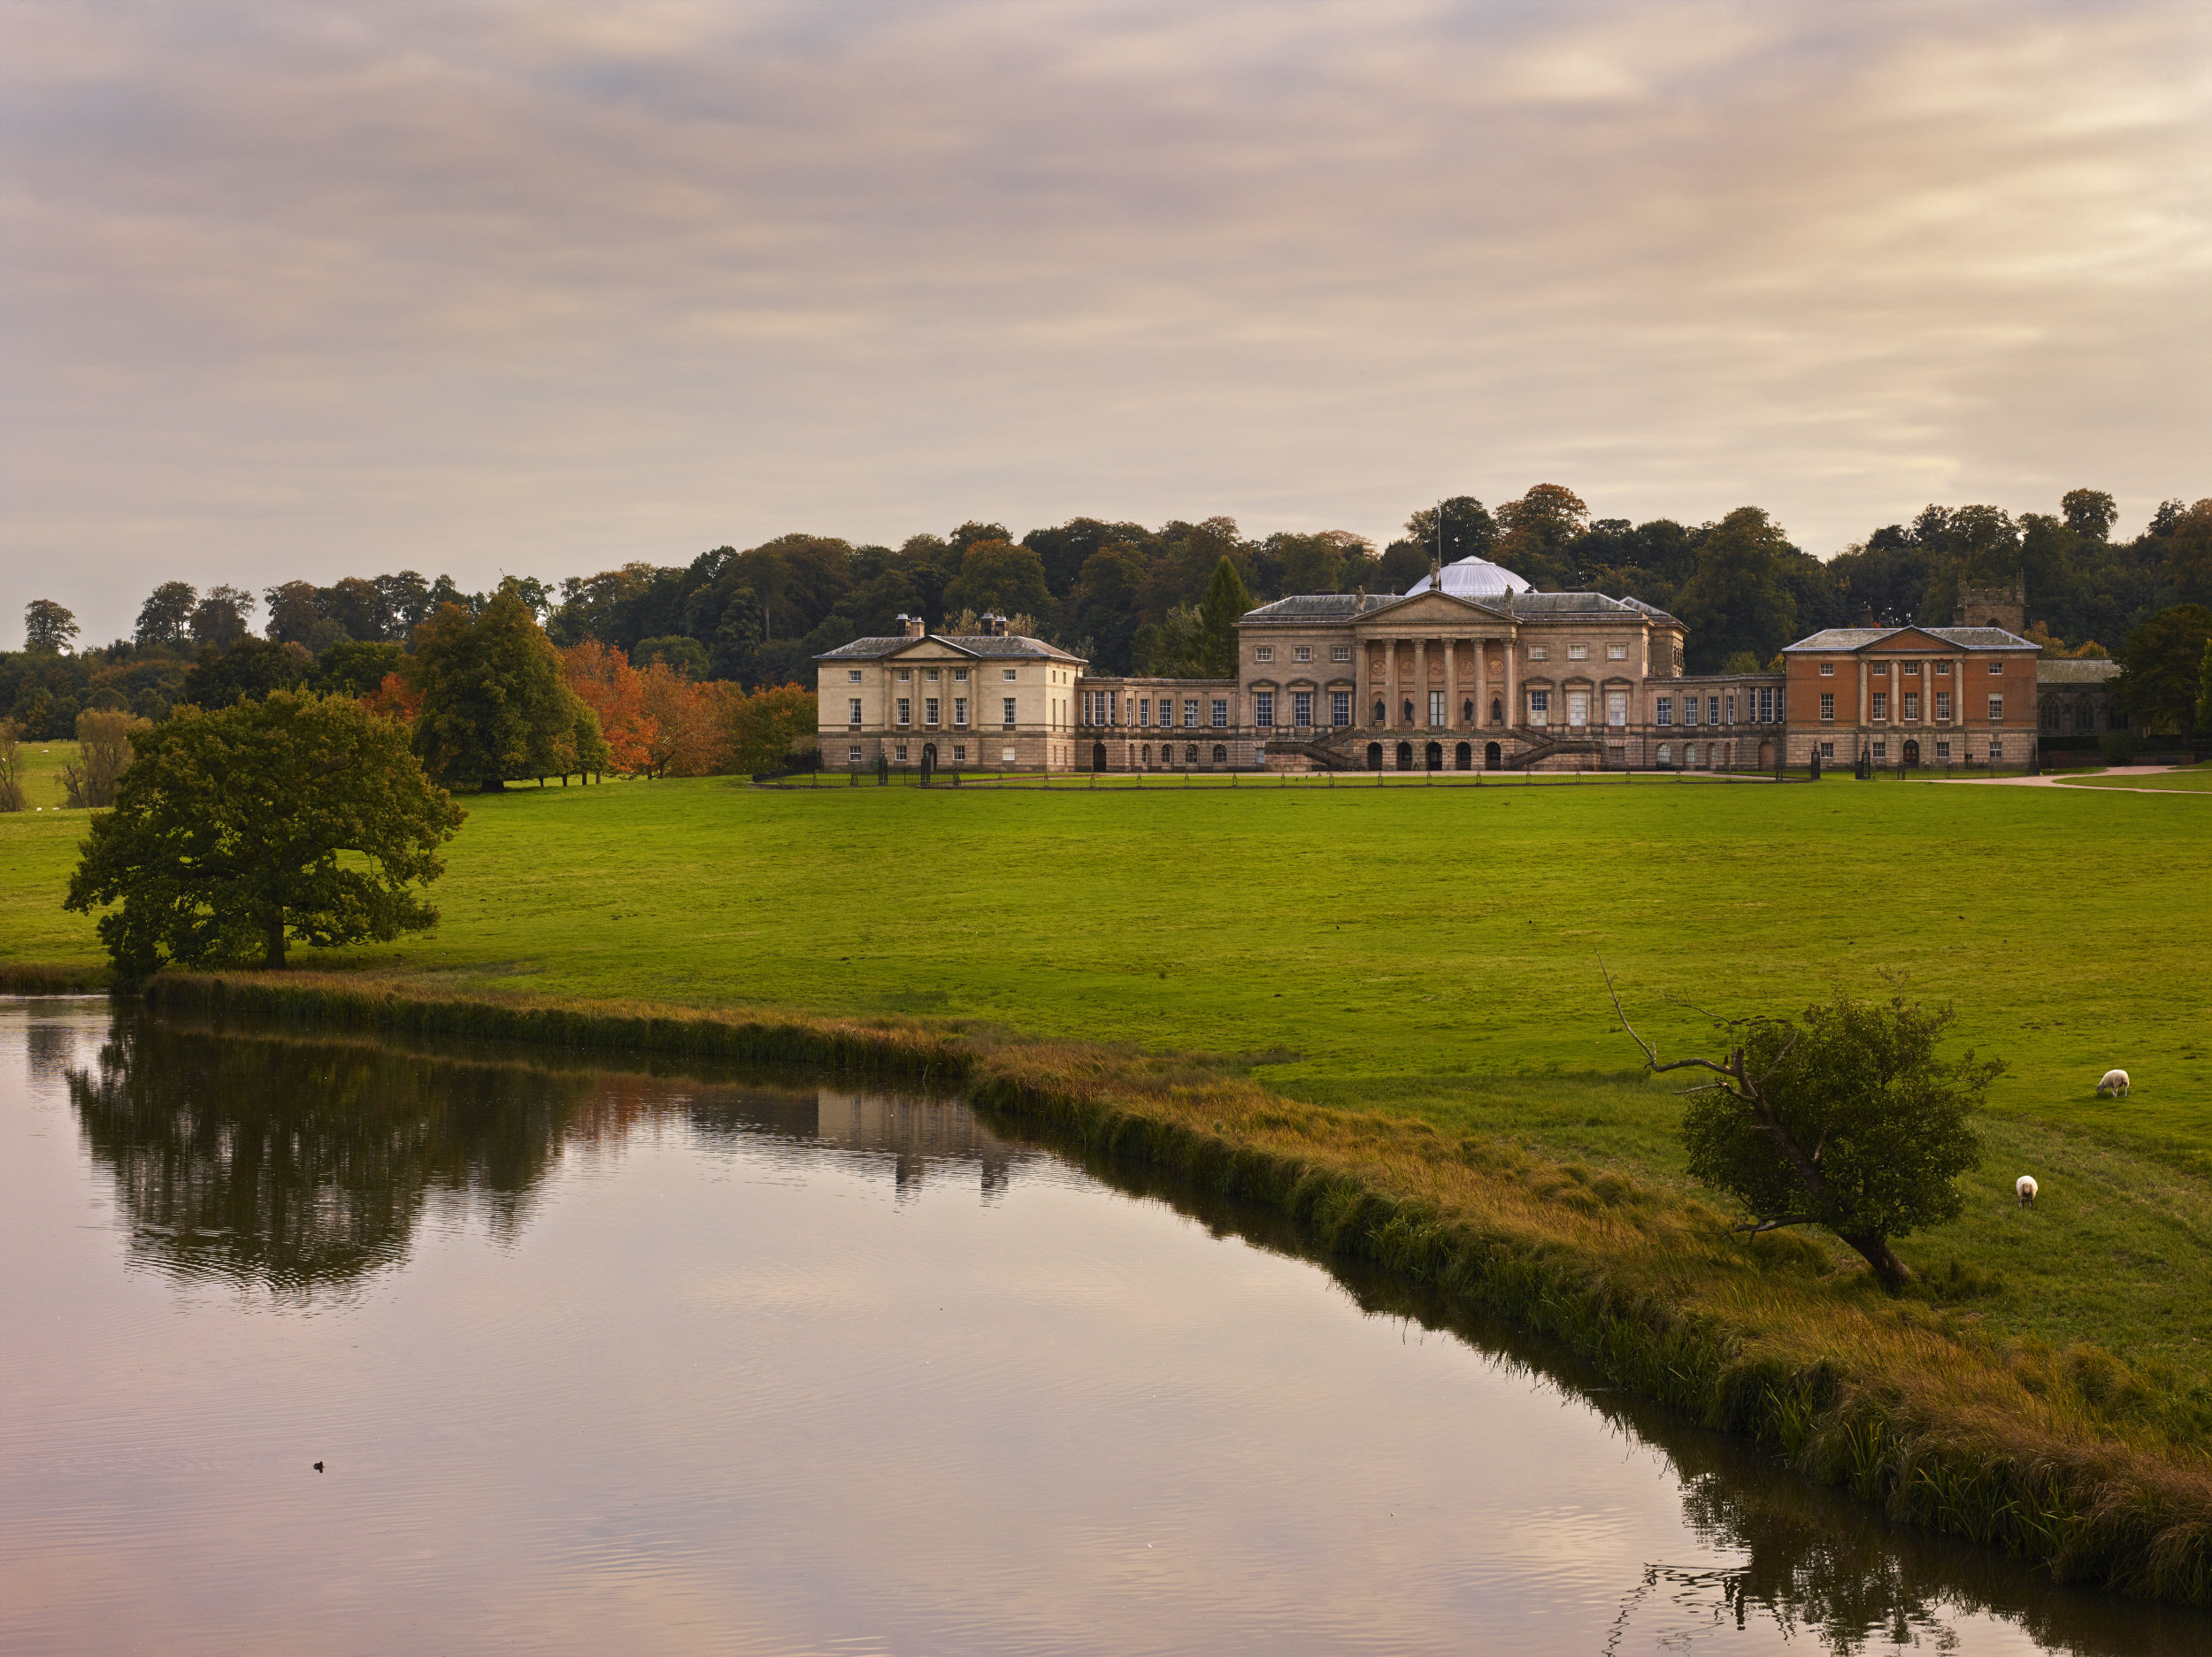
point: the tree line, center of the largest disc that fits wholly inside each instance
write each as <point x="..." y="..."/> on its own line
<point x="1134" y="599"/>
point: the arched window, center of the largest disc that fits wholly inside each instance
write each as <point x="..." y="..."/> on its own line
<point x="1221" y="755"/>
<point x="1666" y="753"/>
<point x="1190" y="754"/>
<point x="1146" y="751"/>
<point x="1381" y="711"/>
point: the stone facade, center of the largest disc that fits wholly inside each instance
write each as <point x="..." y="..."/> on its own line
<point x="1470" y="671"/>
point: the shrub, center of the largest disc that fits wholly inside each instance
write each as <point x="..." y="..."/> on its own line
<point x="2119" y="747"/>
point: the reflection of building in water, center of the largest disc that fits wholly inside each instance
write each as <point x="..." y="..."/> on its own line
<point x="916" y="1130"/>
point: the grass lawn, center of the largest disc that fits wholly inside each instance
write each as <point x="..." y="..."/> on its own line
<point x="1421" y="952"/>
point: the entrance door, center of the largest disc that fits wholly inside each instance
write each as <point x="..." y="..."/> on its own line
<point x="1492" y="756"/>
<point x="1098" y="756"/>
<point x="1766" y="755"/>
<point x="1912" y="752"/>
<point x="1435" y="757"/>
<point x="1374" y="756"/>
<point x="1405" y="755"/>
<point x="1463" y="758"/>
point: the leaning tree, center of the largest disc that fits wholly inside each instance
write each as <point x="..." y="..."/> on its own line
<point x="1844" y="1118"/>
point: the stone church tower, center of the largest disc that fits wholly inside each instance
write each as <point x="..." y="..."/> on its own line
<point x="2004" y="607"/>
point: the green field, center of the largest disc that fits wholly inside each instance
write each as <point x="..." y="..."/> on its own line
<point x="1426" y="951"/>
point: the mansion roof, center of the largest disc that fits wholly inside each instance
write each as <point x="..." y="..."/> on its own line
<point x="1838" y="640"/>
<point x="968" y="644"/>
<point x="2067" y="669"/>
<point x="1311" y="608"/>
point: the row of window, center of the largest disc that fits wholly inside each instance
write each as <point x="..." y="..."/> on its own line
<point x="1908" y="707"/>
<point x="1761" y="706"/>
<point x="1108" y="708"/>
<point x="1909" y="669"/>
<point x="1880" y="750"/>
<point x="1303" y="653"/>
<point x="929" y="675"/>
<point x="930" y="704"/>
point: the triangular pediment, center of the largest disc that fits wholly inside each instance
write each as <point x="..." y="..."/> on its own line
<point x="1911" y="638"/>
<point x="1438" y="607"/>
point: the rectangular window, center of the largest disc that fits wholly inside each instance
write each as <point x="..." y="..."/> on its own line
<point x="852" y="676"/>
<point x="1912" y="670"/>
<point x="1665" y="714"/>
<point x="930" y="674"/>
<point x="1340" y="707"/>
<point x="1006" y="755"/>
<point x="1880" y="670"/>
<point x="1578" y="653"/>
<point x="1436" y="707"/>
<point x="1827" y="704"/>
<point x="1006" y="673"/>
<point x="1539" y="706"/>
<point x="1712" y="711"/>
<point x="959" y="749"/>
<point x="901" y="755"/>
<point x="1009" y="713"/>
<point x="1881" y="750"/>
<point x="960" y="710"/>
<point x="1731" y="710"/>
<point x="906" y="711"/>
<point x="852" y="757"/>
<point x="1996" y="710"/>
<point x="1996" y="749"/>
<point x="1264" y="709"/>
<point x="1766" y="706"/>
<point x="1578" y="707"/>
<point x="1302" y="653"/>
<point x="852" y="716"/>
<point x="1339" y="653"/>
<point x="1538" y="653"/>
<point x="1221" y="713"/>
<point x="1943" y="748"/>
<point x="1943" y="669"/>
<point x="1908" y="704"/>
<point x="1827" y="750"/>
<point x="1190" y="716"/>
<point x="959" y="676"/>
<point x="929" y="710"/>
<point x="1617" y="707"/>
<point x="1881" y="705"/>
<point x="1827" y="670"/>
<point x="1689" y="711"/>
<point x="1302" y="708"/>
<point x="1617" y="652"/>
<point x="1996" y="668"/>
<point x="1265" y="652"/>
<point x="1943" y="706"/>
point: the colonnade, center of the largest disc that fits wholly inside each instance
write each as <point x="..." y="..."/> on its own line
<point x="1462" y="678"/>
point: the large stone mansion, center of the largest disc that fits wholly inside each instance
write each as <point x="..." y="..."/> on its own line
<point x="1470" y="670"/>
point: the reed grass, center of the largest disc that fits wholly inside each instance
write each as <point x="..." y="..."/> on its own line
<point x="2069" y="1457"/>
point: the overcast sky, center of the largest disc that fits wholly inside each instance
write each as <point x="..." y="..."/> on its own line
<point x="309" y="289"/>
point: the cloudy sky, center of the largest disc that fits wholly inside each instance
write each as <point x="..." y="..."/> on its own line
<point x="307" y="289"/>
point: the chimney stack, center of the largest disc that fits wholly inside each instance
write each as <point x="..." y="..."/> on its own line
<point x="912" y="626"/>
<point x="1866" y="615"/>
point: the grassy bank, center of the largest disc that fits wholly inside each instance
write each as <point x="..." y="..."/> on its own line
<point x="2066" y="1456"/>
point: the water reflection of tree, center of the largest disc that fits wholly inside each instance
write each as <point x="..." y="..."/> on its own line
<point x="303" y="1164"/>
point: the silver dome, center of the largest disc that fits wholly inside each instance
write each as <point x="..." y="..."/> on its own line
<point x="1477" y="578"/>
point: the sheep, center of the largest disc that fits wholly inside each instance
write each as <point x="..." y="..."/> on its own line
<point x="2025" y="1187"/>
<point x="2114" y="1083"/>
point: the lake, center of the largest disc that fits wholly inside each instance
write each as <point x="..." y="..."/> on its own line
<point x="609" y="1354"/>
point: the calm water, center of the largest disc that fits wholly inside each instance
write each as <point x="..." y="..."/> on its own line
<point x="599" y="1361"/>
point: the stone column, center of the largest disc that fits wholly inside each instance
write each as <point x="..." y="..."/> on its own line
<point x="1510" y="645"/>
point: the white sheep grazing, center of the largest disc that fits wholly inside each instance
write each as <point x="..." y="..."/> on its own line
<point x="2025" y="1187"/>
<point x="2114" y="1083"/>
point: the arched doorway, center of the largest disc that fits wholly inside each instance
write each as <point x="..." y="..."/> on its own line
<point x="1912" y="752"/>
<point x="1098" y="756"/>
<point x="1464" y="757"/>
<point x="929" y="757"/>
<point x="1766" y="755"/>
<point x="1405" y="753"/>
<point x="1374" y="756"/>
<point x="1433" y="756"/>
<point x="1492" y="756"/>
